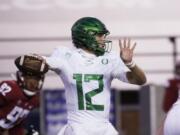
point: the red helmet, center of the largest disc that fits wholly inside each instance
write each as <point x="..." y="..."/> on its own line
<point x="31" y="84"/>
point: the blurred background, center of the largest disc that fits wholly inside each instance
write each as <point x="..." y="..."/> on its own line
<point x="38" y="26"/>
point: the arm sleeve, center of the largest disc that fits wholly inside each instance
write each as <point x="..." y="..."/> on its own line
<point x="119" y="69"/>
<point x="56" y="61"/>
<point x="9" y="90"/>
<point x="3" y="100"/>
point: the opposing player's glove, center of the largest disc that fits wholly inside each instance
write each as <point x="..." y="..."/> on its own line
<point x="32" y="64"/>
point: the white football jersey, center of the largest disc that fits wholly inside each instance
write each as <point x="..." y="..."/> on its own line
<point x="87" y="79"/>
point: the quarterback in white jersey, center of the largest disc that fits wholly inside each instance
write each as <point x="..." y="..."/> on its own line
<point x="87" y="72"/>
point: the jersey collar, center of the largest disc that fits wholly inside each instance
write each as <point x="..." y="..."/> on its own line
<point x="86" y="54"/>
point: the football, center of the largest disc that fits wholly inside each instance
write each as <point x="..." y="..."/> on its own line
<point x="31" y="64"/>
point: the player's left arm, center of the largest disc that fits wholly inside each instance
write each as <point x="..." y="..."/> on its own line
<point x="136" y="75"/>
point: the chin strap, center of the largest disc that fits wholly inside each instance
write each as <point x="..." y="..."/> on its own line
<point x="29" y="93"/>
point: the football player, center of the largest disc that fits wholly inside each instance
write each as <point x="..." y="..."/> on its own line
<point x="17" y="99"/>
<point x="87" y="71"/>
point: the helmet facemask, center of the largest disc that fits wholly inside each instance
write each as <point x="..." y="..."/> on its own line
<point x="102" y="46"/>
<point x="30" y="84"/>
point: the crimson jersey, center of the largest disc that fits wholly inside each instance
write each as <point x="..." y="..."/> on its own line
<point x="171" y="93"/>
<point x="14" y="106"/>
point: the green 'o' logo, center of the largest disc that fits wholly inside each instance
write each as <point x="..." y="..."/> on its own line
<point x="104" y="61"/>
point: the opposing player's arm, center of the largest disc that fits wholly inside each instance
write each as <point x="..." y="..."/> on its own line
<point x="5" y="89"/>
<point x="135" y="75"/>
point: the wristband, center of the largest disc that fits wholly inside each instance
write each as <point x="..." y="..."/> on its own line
<point x="131" y="64"/>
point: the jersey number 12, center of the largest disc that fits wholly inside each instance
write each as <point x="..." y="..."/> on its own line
<point x="87" y="96"/>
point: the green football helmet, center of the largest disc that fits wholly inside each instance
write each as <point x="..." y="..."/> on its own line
<point x="84" y="33"/>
